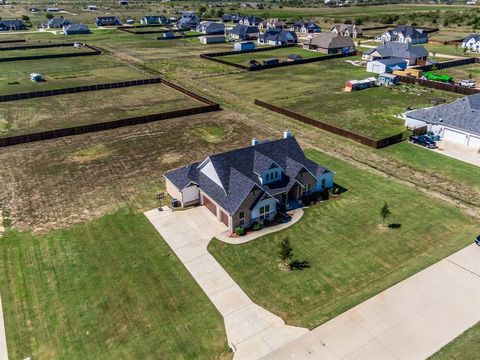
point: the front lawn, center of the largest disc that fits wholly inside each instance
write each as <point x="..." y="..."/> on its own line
<point x="352" y="256"/>
<point x="108" y="289"/>
<point x="464" y="347"/>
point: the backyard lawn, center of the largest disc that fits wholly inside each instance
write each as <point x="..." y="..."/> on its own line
<point x="7" y="54"/>
<point x="352" y="255"/>
<point x="464" y="347"/>
<point x="281" y="54"/>
<point x="40" y="114"/>
<point x="107" y="289"/>
<point x="463" y="72"/>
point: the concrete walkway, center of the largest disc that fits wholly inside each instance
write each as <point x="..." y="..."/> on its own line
<point x="296" y="215"/>
<point x="252" y="331"/>
<point x="411" y="320"/>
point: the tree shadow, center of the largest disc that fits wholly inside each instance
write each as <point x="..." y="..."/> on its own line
<point x="299" y="265"/>
<point x="394" y="226"/>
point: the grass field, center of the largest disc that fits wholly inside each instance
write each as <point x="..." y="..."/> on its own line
<point x="40" y="114"/>
<point x="316" y="90"/>
<point x="7" y="54"/>
<point x="464" y="347"/>
<point x="281" y="54"/>
<point x="107" y="289"/>
<point x="352" y="255"/>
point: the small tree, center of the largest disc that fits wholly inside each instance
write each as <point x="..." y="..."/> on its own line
<point x="49" y="16"/>
<point x="286" y="251"/>
<point x="385" y="212"/>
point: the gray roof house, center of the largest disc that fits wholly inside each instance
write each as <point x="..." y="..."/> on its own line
<point x="330" y="43"/>
<point x="413" y="54"/>
<point x="74" y="29"/>
<point x="107" y="21"/>
<point x="347" y="30"/>
<point x="278" y="37"/>
<point x="244" y="32"/>
<point x="406" y="34"/>
<point x="56" y="23"/>
<point x="211" y="28"/>
<point x="249" y="184"/>
<point x="472" y="42"/>
<point x="6" y="25"/>
<point x="154" y="20"/>
<point x="306" y="27"/>
<point x="188" y="20"/>
<point x="250" y="21"/>
<point x="458" y="121"/>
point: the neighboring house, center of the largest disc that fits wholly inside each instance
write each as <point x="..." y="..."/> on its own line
<point x="212" y="39"/>
<point x="250" y="184"/>
<point x="243" y="32"/>
<point x="472" y="42"/>
<point x="56" y="23"/>
<point x="235" y="18"/>
<point x="74" y="29"/>
<point x="250" y="21"/>
<point x="188" y="20"/>
<point x="457" y="122"/>
<point x="330" y="43"/>
<point x="278" y="37"/>
<point x="243" y="45"/>
<point x="7" y="25"/>
<point x="154" y="20"/>
<point x="211" y="28"/>
<point x="414" y="55"/>
<point x="406" y="34"/>
<point x="347" y="30"/>
<point x="306" y="27"/>
<point x="107" y="21"/>
<point x="272" y="24"/>
<point x="386" y="65"/>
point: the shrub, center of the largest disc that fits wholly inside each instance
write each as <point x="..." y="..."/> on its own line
<point x="240" y="231"/>
<point x="257" y="226"/>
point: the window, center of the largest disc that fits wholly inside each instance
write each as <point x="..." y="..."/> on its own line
<point x="264" y="211"/>
<point x="241" y="217"/>
<point x="324" y="183"/>
<point x="308" y="189"/>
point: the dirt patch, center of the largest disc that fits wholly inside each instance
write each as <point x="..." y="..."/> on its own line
<point x="93" y="153"/>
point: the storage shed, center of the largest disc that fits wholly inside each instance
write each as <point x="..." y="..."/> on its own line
<point x="386" y="65"/>
<point x="212" y="39"/>
<point x="244" y="45"/>
<point x="386" y="79"/>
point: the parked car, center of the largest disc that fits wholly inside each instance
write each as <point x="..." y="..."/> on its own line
<point x="423" y="140"/>
<point x="468" y="83"/>
<point x="477" y="240"/>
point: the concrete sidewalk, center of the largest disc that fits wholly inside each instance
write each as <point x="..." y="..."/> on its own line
<point x="411" y="320"/>
<point x="252" y="331"/>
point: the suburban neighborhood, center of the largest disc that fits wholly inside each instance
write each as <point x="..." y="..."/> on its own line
<point x="240" y="180"/>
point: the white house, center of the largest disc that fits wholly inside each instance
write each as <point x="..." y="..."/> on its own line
<point x="472" y="42"/>
<point x="406" y="34"/>
<point x="386" y="65"/>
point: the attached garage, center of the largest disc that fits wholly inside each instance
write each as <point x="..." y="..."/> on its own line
<point x="209" y="205"/>
<point x="455" y="136"/>
<point x="474" y="141"/>
<point x="224" y="217"/>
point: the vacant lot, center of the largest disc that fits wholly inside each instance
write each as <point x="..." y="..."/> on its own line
<point x="464" y="347"/>
<point x="63" y="72"/>
<point x="352" y="255"/>
<point x="463" y="72"/>
<point x="7" y="54"/>
<point x="281" y="54"/>
<point x="107" y="289"/>
<point x="40" y="114"/>
<point x="317" y="90"/>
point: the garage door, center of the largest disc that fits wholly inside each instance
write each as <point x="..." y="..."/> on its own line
<point x="210" y="205"/>
<point x="474" y="142"/>
<point x="224" y="218"/>
<point x="454" y="136"/>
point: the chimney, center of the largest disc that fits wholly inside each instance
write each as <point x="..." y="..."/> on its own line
<point x="255" y="141"/>
<point x="287" y="134"/>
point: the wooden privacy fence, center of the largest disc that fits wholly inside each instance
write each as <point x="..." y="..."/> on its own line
<point x="377" y="144"/>
<point x="144" y="32"/>
<point x="12" y="41"/>
<point x="94" y="51"/>
<point x="439" y="85"/>
<point x="448" y="64"/>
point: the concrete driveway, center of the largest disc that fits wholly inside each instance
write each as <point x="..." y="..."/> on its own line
<point x="459" y="152"/>
<point x="411" y="320"/>
<point x="252" y="331"/>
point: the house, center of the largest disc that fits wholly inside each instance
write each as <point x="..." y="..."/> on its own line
<point x="154" y="20"/>
<point x="457" y="122"/>
<point x="188" y="20"/>
<point x="472" y="43"/>
<point x="56" y="23"/>
<point x="278" y="37"/>
<point x="406" y="34"/>
<point x="346" y="30"/>
<point x="306" y="27"/>
<point x="388" y="79"/>
<point x="250" y="21"/>
<point x="330" y="43"/>
<point x="211" y="28"/>
<point x="250" y="184"/>
<point x="294" y="57"/>
<point x="272" y="24"/>
<point x="74" y="29"/>
<point x="235" y="18"/>
<point x="389" y="65"/>
<point x="414" y="55"/>
<point x="243" y="45"/>
<point x="212" y="39"/>
<point x="243" y="32"/>
<point x="7" y="25"/>
<point x="107" y="21"/>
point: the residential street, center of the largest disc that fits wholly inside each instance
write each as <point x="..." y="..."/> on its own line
<point x="411" y="320"/>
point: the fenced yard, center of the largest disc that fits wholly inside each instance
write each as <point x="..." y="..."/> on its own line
<point x="464" y="72"/>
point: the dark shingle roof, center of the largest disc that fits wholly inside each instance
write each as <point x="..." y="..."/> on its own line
<point x="462" y="114"/>
<point x="238" y="171"/>
<point x="401" y="50"/>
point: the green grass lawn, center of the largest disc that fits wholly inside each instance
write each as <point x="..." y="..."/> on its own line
<point x="7" y="54"/>
<point x="352" y="256"/>
<point x="40" y="114"/>
<point x="463" y="72"/>
<point x="464" y="347"/>
<point x="281" y="54"/>
<point x="108" y="289"/>
<point x="447" y="50"/>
